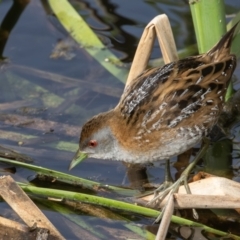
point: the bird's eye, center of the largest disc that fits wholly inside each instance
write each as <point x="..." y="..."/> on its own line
<point x="92" y="143"/>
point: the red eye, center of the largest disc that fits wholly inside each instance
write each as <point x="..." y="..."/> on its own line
<point x="92" y="143"/>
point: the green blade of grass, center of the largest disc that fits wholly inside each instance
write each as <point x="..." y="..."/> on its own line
<point x="69" y="179"/>
<point x="83" y="34"/>
<point x="123" y="206"/>
<point x="87" y="198"/>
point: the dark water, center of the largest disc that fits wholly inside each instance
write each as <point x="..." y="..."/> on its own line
<point x="119" y="24"/>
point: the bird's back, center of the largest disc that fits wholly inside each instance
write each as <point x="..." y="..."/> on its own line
<point x="181" y="99"/>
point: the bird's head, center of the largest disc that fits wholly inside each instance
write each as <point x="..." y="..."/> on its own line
<point x="96" y="140"/>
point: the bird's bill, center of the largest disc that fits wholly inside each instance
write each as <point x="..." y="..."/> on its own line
<point x="79" y="156"/>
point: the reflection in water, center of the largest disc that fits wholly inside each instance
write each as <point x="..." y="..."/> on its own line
<point x="120" y="26"/>
<point x="65" y="49"/>
<point x="10" y="21"/>
<point x="109" y="24"/>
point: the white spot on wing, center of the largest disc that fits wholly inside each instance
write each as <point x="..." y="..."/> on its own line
<point x="203" y="95"/>
<point x="163" y="105"/>
<point x="163" y="112"/>
<point x="190" y="108"/>
<point x="198" y="93"/>
<point x="199" y="80"/>
<point x="224" y="74"/>
<point x="173" y="96"/>
<point x="185" y="91"/>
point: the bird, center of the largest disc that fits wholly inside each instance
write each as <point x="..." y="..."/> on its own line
<point x="164" y="111"/>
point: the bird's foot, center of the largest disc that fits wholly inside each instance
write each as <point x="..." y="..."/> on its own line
<point x="160" y="189"/>
<point x="168" y="194"/>
<point x="164" y="189"/>
<point x="169" y="191"/>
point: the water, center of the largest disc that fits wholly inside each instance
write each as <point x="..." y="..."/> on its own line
<point x="38" y="107"/>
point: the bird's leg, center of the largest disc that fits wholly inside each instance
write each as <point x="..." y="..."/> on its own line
<point x="183" y="178"/>
<point x="168" y="181"/>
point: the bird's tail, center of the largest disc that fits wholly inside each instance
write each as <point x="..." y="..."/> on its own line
<point x="222" y="48"/>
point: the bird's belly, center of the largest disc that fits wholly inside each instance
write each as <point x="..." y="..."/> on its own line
<point x="174" y="148"/>
<point x="164" y="151"/>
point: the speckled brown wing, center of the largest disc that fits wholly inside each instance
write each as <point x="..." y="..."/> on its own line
<point x="185" y="94"/>
<point x="169" y="96"/>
